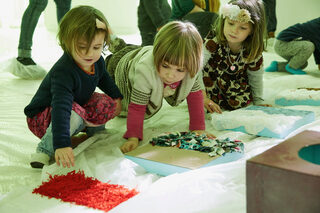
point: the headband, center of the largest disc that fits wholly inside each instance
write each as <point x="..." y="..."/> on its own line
<point x="234" y="13"/>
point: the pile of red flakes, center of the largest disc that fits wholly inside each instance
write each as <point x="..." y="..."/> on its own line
<point x="78" y="189"/>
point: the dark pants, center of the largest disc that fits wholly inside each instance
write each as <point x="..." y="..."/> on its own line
<point x="30" y="20"/>
<point x="270" y="9"/>
<point x="202" y="20"/>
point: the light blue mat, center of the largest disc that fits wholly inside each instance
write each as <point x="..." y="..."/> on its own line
<point x="306" y="118"/>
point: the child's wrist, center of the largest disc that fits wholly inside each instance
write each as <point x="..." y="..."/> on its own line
<point x="133" y="139"/>
<point x="206" y="100"/>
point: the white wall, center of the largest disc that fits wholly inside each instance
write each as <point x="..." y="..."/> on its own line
<point x="11" y="12"/>
<point x="290" y="12"/>
<point x="121" y="14"/>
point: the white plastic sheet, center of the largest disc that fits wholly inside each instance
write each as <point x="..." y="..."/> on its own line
<point x="219" y="188"/>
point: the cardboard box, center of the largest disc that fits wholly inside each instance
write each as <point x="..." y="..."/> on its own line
<point x="279" y="180"/>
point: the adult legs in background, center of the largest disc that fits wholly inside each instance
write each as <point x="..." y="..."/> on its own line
<point x="25" y="67"/>
<point x="296" y="53"/>
<point x="63" y="6"/>
<point x="147" y="37"/>
<point x="29" y="22"/>
<point x="270" y="9"/>
<point x="202" y="20"/>
<point x="152" y="15"/>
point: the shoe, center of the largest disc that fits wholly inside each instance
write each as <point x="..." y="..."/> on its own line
<point x="295" y="71"/>
<point x="38" y="160"/>
<point x="26" y="61"/>
<point x="26" y="68"/>
<point x="78" y="139"/>
<point x="272" y="67"/>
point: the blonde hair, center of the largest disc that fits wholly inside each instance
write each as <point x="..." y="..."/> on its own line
<point x="80" y="23"/>
<point x="180" y="44"/>
<point x="254" y="43"/>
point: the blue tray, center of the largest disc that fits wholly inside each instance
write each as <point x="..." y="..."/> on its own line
<point x="285" y="102"/>
<point x="169" y="160"/>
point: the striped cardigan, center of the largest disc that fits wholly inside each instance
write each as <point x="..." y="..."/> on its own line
<point x="138" y="80"/>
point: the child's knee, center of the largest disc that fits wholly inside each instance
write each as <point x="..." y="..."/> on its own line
<point x="309" y="47"/>
<point x="76" y="123"/>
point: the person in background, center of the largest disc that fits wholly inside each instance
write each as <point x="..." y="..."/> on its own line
<point x="233" y="70"/>
<point x="270" y="9"/>
<point x="152" y="15"/>
<point x="202" y="13"/>
<point x="25" y="66"/>
<point x="66" y="102"/>
<point x="167" y="70"/>
<point x="296" y="44"/>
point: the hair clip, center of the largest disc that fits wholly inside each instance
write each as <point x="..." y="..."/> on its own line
<point x="234" y="13"/>
<point x="100" y="24"/>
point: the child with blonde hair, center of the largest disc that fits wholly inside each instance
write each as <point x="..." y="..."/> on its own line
<point x="169" y="70"/>
<point x="233" y="71"/>
<point x="66" y="102"/>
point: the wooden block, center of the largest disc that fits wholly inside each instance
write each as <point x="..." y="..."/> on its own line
<point x="279" y="180"/>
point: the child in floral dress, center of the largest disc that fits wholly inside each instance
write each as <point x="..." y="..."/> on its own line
<point x="233" y="71"/>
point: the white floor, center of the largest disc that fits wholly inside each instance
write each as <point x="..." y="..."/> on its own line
<point x="213" y="189"/>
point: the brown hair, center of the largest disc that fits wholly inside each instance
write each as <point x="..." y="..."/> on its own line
<point x="80" y="23"/>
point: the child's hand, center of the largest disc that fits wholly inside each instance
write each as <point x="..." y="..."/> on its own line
<point x="64" y="156"/>
<point x="118" y="107"/>
<point x="200" y="132"/>
<point x="211" y="106"/>
<point x="130" y="145"/>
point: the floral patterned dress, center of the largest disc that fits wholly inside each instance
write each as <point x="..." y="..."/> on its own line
<point x="99" y="109"/>
<point x="225" y="75"/>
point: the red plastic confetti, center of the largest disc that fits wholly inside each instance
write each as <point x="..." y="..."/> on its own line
<point x="76" y="188"/>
